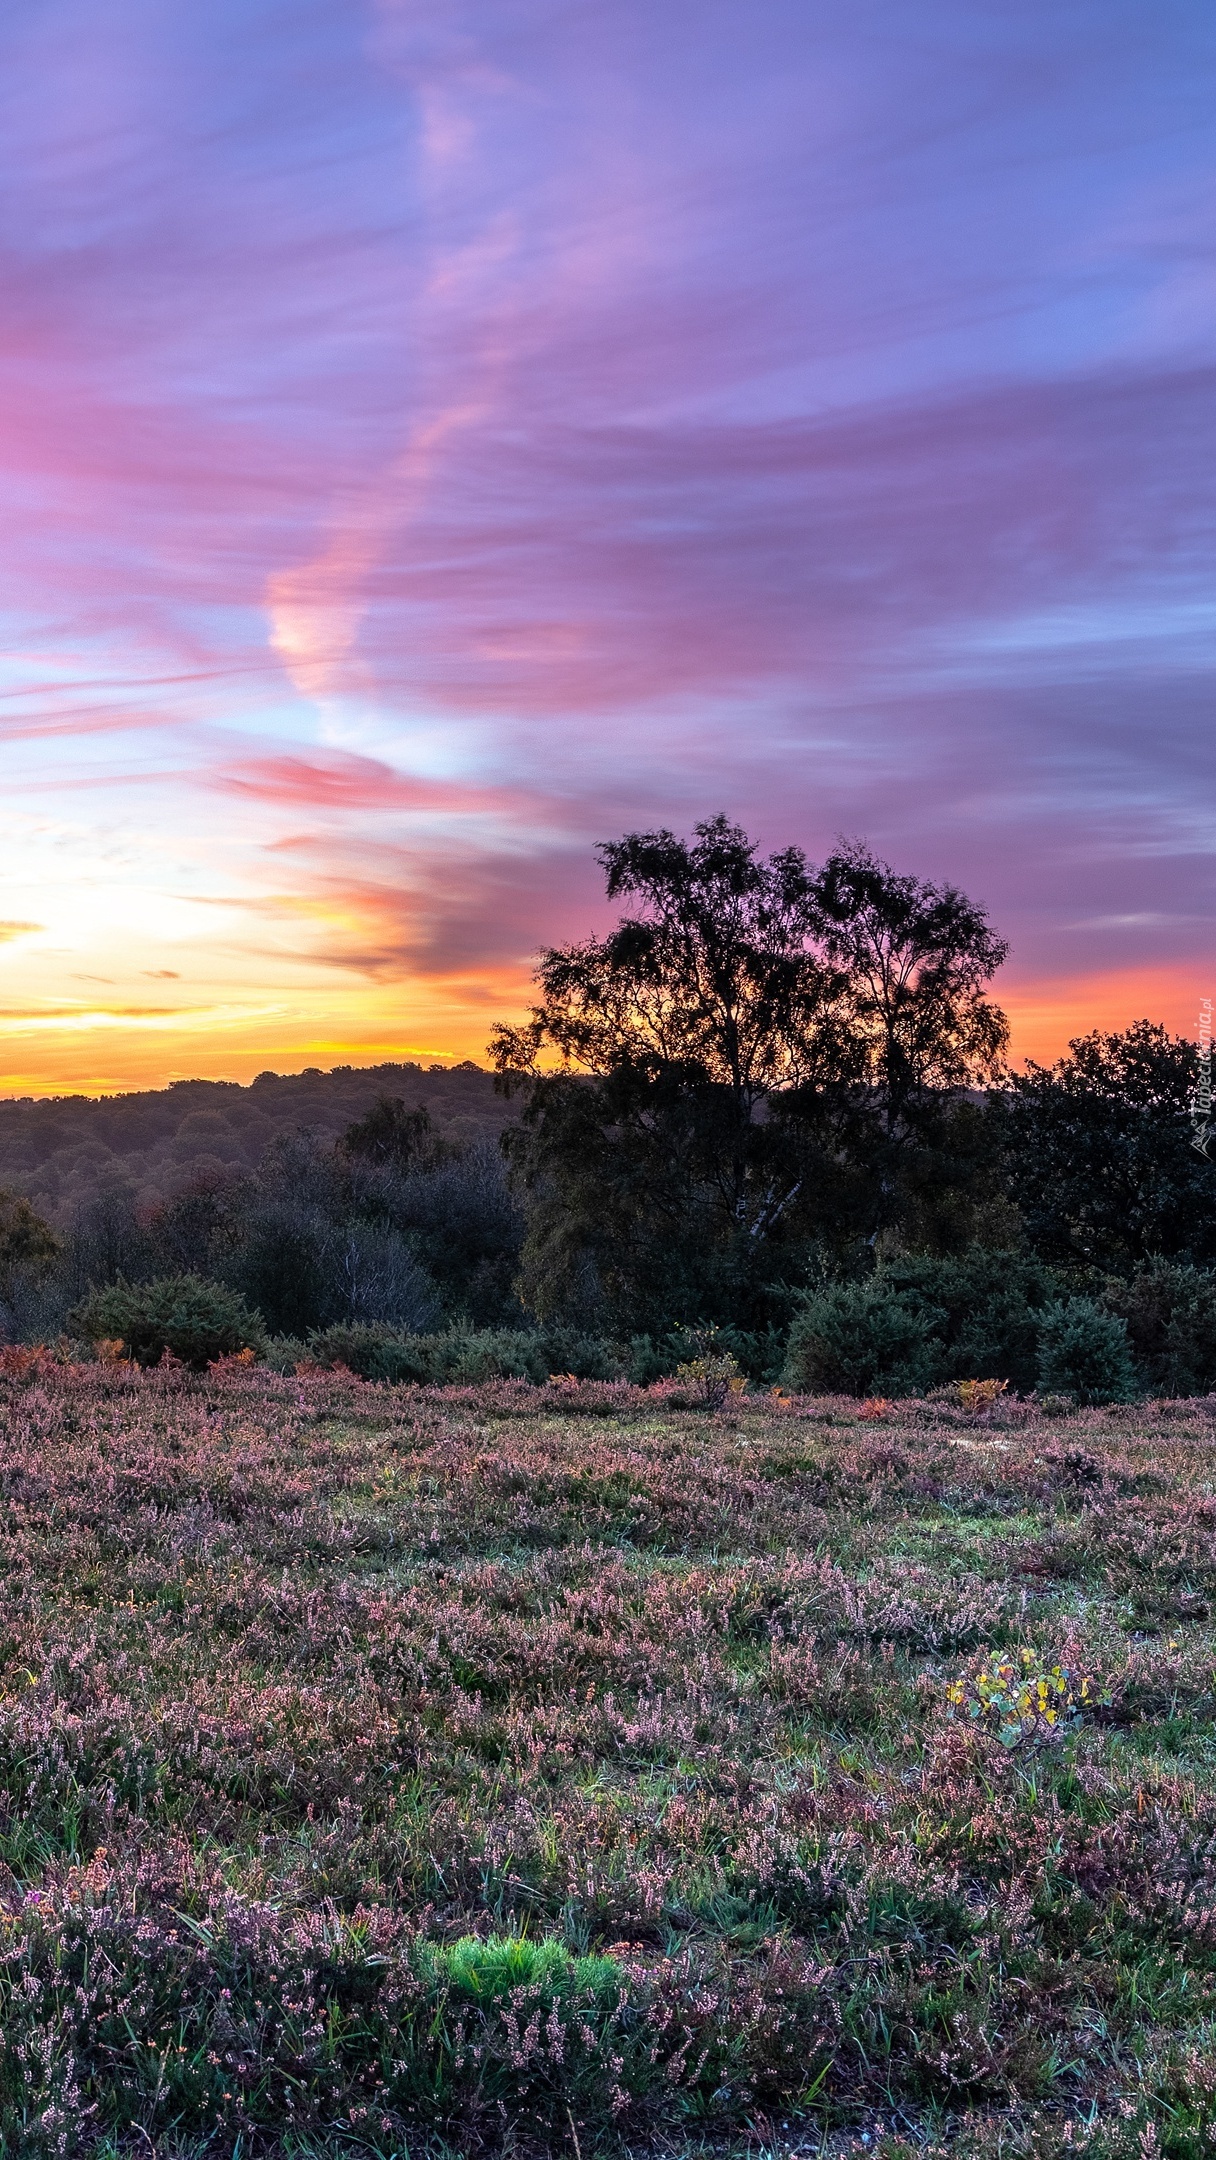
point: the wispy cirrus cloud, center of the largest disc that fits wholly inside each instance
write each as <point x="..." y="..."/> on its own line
<point x="341" y="781"/>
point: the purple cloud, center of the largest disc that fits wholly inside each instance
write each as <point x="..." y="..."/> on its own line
<point x="434" y="439"/>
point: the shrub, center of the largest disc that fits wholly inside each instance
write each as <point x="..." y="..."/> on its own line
<point x="863" y="1339"/>
<point x="464" y="1356"/>
<point x="709" y="1367"/>
<point x="1084" y="1352"/>
<point x="584" y="1357"/>
<point x="980" y="1397"/>
<point x="712" y="1378"/>
<point x="195" y="1320"/>
<point x="922" y="1319"/>
<point x="1023" y="1699"/>
<point x="987" y="1306"/>
<point x="285" y="1352"/>
<point x="374" y="1352"/>
<point x="1170" y="1314"/>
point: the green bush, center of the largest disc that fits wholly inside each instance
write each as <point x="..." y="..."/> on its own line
<point x="1084" y="1352"/>
<point x="919" y="1320"/>
<point x="588" y="1357"/>
<point x="864" y="1338"/>
<point x="375" y="1352"/>
<point x="195" y="1320"/>
<point x="285" y="1352"/>
<point x="1170" y="1314"/>
<point x="988" y="1306"/>
<point x="464" y="1356"/>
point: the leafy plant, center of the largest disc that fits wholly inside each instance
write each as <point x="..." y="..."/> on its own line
<point x="984" y="1305"/>
<point x="1170" y="1312"/>
<point x="712" y="1377"/>
<point x="979" y="1397"/>
<point x="862" y="1339"/>
<point x="1023" y="1700"/>
<point x="463" y="1356"/>
<point x="1084" y="1352"/>
<point x="193" y="1319"/>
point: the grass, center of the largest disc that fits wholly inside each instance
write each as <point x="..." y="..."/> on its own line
<point x="397" y="1771"/>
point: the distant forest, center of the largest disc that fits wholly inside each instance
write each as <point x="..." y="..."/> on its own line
<point x="59" y="1151"/>
<point x="366" y="1195"/>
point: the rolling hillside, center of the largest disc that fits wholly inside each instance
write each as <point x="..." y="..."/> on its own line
<point x="58" y="1151"/>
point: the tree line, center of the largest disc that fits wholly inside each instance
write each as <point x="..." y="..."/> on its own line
<point x="768" y="1071"/>
<point x="773" y="1091"/>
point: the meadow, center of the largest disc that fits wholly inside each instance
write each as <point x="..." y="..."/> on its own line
<point x="579" y="1769"/>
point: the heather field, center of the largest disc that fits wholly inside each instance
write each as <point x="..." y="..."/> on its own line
<point x="576" y="1769"/>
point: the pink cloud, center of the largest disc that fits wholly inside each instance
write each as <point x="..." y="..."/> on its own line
<point x="822" y="443"/>
<point x="341" y="781"/>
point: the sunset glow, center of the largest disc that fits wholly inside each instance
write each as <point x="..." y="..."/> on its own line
<point x="434" y="439"/>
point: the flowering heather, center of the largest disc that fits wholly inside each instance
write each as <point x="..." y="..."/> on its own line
<point x="576" y="1769"/>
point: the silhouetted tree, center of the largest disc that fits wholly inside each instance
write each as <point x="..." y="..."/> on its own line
<point x="1099" y="1155"/>
<point x="917" y="958"/>
<point x="724" y="1060"/>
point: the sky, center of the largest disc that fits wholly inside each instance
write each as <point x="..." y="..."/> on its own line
<point x="439" y="435"/>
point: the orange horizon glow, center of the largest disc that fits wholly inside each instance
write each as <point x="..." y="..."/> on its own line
<point x="1044" y="1018"/>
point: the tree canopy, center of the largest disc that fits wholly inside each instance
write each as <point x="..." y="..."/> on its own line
<point x="1099" y="1155"/>
<point x="27" y="1243"/>
<point x="917" y="958"/>
<point x="714" y="1075"/>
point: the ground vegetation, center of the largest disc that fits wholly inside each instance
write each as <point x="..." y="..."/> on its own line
<point x="580" y="1768"/>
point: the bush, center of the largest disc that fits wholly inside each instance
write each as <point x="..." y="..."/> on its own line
<point x="1084" y="1352"/>
<point x="864" y="1338"/>
<point x="374" y="1353"/>
<point x="195" y="1320"/>
<point x="285" y="1352"/>
<point x="587" y="1357"/>
<point x="988" y="1306"/>
<point x="465" y="1356"/>
<point x="1170" y="1314"/>
<point x="759" y="1353"/>
<point x="921" y="1320"/>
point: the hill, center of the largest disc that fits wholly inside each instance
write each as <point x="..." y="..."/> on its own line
<point x="59" y="1151"/>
